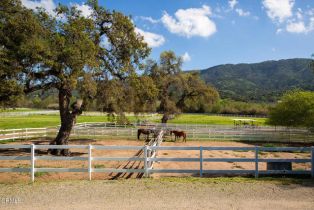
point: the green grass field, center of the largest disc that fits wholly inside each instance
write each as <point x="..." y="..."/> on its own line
<point x="18" y="110"/>
<point x="210" y="119"/>
<point x="37" y="121"/>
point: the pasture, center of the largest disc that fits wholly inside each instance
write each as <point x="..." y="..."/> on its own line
<point x="211" y="119"/>
<point x="39" y="121"/>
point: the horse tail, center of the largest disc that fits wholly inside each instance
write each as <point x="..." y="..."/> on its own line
<point x="138" y="134"/>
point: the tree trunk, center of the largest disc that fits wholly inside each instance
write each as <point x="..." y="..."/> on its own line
<point x="68" y="120"/>
<point x="165" y="118"/>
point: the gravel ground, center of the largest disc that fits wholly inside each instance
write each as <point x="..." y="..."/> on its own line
<point x="169" y="193"/>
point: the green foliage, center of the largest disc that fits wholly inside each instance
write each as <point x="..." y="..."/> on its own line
<point x="67" y="53"/>
<point x="296" y="108"/>
<point x="134" y="94"/>
<point x="226" y="106"/>
<point x="13" y="23"/>
<point x="260" y="82"/>
<point x="178" y="91"/>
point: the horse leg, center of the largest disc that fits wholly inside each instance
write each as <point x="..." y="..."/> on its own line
<point x="138" y="135"/>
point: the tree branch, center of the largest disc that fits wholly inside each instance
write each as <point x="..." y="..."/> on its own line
<point x="29" y="89"/>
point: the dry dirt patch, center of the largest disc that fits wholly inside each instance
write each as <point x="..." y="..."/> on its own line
<point x="158" y="194"/>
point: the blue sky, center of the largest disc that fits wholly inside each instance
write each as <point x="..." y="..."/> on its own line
<point x="209" y="32"/>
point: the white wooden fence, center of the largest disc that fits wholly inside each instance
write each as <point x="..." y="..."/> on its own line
<point x="23" y="133"/>
<point x="194" y="132"/>
<point x="149" y="158"/>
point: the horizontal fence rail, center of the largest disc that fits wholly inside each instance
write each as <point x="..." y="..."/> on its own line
<point x="194" y="132"/>
<point x="150" y="157"/>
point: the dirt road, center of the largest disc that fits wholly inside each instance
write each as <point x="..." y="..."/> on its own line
<point x="158" y="194"/>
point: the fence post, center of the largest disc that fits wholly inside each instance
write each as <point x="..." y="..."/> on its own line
<point x="90" y="162"/>
<point x="312" y="162"/>
<point x="256" y="161"/>
<point x="32" y="162"/>
<point x="145" y="162"/>
<point x="201" y="161"/>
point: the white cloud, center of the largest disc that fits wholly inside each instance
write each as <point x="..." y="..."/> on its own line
<point x="299" y="14"/>
<point x="48" y="5"/>
<point x="310" y="12"/>
<point x="279" y="10"/>
<point x="242" y="13"/>
<point x="232" y="3"/>
<point x="86" y="11"/>
<point x="152" y="39"/>
<point x="150" y="19"/>
<point x="296" y="27"/>
<point x="300" y="27"/>
<point x="186" y="57"/>
<point x="239" y="11"/>
<point x="279" y="30"/>
<point x="288" y="19"/>
<point x="190" y="22"/>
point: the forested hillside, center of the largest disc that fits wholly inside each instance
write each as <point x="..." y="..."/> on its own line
<point x="261" y="82"/>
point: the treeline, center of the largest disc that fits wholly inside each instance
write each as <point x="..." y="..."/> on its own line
<point x="221" y="106"/>
<point x="295" y="109"/>
<point x="228" y="106"/>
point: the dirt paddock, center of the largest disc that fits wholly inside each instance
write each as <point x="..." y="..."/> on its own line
<point x="43" y="176"/>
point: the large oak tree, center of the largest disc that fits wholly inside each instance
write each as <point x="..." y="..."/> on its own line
<point x="178" y="90"/>
<point x="67" y="52"/>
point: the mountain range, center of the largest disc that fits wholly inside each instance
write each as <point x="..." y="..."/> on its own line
<point x="260" y="82"/>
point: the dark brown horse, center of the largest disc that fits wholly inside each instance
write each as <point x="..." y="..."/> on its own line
<point x="146" y="132"/>
<point x="178" y="134"/>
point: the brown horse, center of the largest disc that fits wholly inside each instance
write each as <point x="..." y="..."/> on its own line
<point x="146" y="132"/>
<point x="178" y="134"/>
